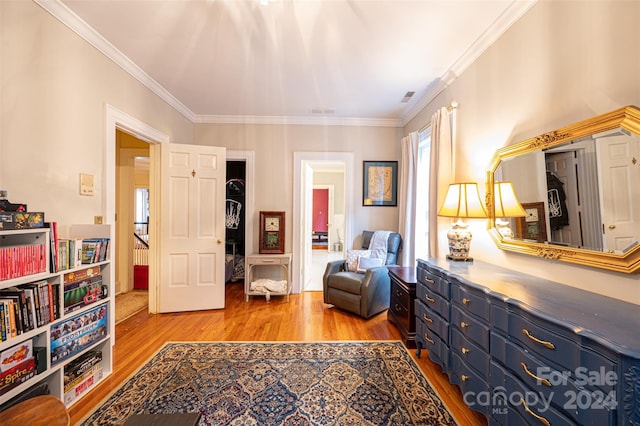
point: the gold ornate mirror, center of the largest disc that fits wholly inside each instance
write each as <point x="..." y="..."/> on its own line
<point x="580" y="189"/>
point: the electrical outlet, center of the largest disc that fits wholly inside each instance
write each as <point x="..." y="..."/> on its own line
<point x="97" y="220"/>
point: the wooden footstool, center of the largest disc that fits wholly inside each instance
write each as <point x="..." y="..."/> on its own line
<point x="43" y="410"/>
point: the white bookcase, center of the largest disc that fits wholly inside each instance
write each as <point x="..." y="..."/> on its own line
<point x="47" y="336"/>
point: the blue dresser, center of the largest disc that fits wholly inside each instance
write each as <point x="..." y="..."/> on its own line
<point x="525" y="350"/>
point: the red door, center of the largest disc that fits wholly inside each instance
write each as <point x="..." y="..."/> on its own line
<point x="320" y="210"/>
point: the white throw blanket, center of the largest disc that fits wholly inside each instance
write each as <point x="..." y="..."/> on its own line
<point x="378" y="245"/>
<point x="265" y="285"/>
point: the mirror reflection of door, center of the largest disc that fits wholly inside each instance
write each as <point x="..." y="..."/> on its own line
<point x="562" y="191"/>
<point x="619" y="171"/>
<point x="572" y="196"/>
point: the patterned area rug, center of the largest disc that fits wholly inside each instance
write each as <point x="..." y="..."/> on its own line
<point x="331" y="383"/>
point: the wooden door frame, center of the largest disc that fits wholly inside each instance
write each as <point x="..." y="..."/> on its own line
<point x="299" y="160"/>
<point x="119" y="120"/>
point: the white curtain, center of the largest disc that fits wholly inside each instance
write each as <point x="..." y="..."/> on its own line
<point x="407" y="198"/>
<point x="440" y="171"/>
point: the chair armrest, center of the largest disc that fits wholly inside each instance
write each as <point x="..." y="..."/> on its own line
<point x="375" y="293"/>
<point x="333" y="267"/>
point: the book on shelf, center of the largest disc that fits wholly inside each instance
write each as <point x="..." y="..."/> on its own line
<point x="17" y="310"/>
<point x="17" y="365"/>
<point x="11" y="317"/>
<point x="75" y="252"/>
<point x="14" y="355"/>
<point x="53" y="245"/>
<point x="17" y="375"/>
<point x="82" y="293"/>
<point x="21" y="260"/>
<point x="82" y="367"/>
<point x="21" y="220"/>
<point x="69" y="253"/>
<point x="77" y="333"/>
<point x="34" y="305"/>
<point x="94" y="250"/>
<point x="21" y="310"/>
<point x="82" y="387"/>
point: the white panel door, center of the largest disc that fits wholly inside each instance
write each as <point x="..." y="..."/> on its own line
<point x="192" y="228"/>
<point x="620" y="191"/>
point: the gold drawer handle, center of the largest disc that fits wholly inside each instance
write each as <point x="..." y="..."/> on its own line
<point x="533" y="376"/>
<point x="548" y="345"/>
<point x="464" y="351"/>
<point x="464" y="324"/>
<point x="464" y="377"/>
<point x="429" y="299"/>
<point x="432" y="282"/>
<point x="465" y="301"/>
<point x="534" y="415"/>
<point x="429" y="340"/>
<point x="427" y="319"/>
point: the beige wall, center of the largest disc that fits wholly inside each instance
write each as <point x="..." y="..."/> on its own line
<point x="337" y="180"/>
<point x="54" y="88"/>
<point x="274" y="146"/>
<point x="561" y="63"/>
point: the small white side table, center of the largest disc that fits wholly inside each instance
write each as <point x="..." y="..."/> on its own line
<point x="255" y="262"/>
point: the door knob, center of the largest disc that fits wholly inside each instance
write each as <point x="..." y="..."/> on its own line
<point x="612" y="227"/>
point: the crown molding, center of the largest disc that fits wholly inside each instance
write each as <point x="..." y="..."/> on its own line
<point x="509" y="17"/>
<point x="298" y="121"/>
<point x="65" y="15"/>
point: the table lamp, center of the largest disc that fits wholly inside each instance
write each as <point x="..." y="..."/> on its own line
<point x="462" y="201"/>
<point x="506" y="205"/>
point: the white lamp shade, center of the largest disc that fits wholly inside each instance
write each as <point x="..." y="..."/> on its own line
<point x="506" y="203"/>
<point x="463" y="201"/>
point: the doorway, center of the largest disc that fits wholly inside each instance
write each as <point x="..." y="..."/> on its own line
<point x="132" y="223"/>
<point x="119" y="120"/>
<point x="320" y="169"/>
<point x="235" y="221"/>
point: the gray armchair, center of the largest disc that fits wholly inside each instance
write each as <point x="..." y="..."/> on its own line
<point x="364" y="294"/>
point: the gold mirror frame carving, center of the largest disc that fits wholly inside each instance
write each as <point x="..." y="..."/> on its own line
<point x="628" y="262"/>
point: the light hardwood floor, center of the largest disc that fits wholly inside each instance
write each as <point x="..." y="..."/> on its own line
<point x="304" y="318"/>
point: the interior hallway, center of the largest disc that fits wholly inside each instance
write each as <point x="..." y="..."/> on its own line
<point x="319" y="259"/>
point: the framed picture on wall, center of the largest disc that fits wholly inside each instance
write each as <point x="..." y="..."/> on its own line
<point x="533" y="226"/>
<point x="380" y="183"/>
<point x="271" y="233"/>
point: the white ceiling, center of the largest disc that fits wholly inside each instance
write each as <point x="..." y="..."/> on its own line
<point x="241" y="61"/>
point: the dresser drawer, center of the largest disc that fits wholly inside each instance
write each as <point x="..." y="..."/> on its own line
<point x="268" y="260"/>
<point x="433" y="322"/>
<point x="567" y="391"/>
<point x="471" y="384"/>
<point x="473" y="302"/>
<point x="433" y="301"/>
<point x="470" y="353"/>
<point x="400" y="294"/>
<point x="438" y="350"/>
<point x="472" y="328"/>
<point x="508" y="393"/>
<point x="433" y="280"/>
<point x="401" y="313"/>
